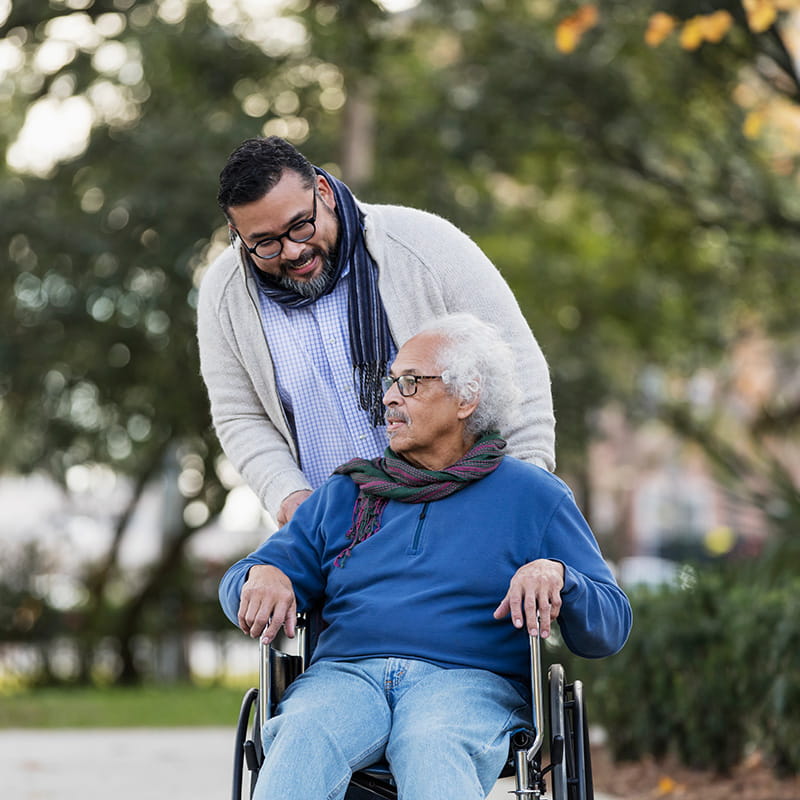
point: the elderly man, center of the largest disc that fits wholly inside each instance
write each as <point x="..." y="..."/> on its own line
<point x="415" y="560"/>
<point x="298" y="320"/>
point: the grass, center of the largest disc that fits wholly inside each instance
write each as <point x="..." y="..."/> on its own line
<point x="149" y="706"/>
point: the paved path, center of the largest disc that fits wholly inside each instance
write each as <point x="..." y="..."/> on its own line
<point x="124" y="764"/>
<point x="116" y="764"/>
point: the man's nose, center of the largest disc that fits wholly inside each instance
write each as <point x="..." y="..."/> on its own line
<point x="392" y="396"/>
<point x="293" y="250"/>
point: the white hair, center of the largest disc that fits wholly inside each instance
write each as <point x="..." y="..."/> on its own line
<point x="477" y="362"/>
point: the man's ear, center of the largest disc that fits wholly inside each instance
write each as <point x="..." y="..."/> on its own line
<point x="467" y="407"/>
<point x="326" y="192"/>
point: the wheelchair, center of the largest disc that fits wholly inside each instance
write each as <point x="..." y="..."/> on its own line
<point x="565" y="730"/>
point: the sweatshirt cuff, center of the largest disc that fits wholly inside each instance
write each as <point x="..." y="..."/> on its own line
<point x="280" y="487"/>
<point x="571" y="580"/>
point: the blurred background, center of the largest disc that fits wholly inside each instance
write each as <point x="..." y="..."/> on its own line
<point x="631" y="168"/>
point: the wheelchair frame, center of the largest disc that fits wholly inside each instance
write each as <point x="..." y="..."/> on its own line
<point x="570" y="757"/>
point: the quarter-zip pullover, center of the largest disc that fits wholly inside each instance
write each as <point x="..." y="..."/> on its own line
<point x="426" y="584"/>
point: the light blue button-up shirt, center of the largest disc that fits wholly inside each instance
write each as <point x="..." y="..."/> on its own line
<point x="310" y="349"/>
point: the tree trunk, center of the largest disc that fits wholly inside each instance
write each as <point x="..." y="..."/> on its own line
<point x="358" y="134"/>
<point x="97" y="581"/>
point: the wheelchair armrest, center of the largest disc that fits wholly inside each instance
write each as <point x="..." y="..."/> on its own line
<point x="296" y="646"/>
<point x="280" y="662"/>
<point x="536" y="697"/>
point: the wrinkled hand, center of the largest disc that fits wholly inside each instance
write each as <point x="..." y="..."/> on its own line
<point x="267" y="602"/>
<point x="290" y="504"/>
<point x="535" y="587"/>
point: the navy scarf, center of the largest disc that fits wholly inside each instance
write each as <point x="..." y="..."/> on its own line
<point x="370" y="338"/>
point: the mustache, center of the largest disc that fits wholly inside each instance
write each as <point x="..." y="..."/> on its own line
<point x="396" y="415"/>
<point x="286" y="264"/>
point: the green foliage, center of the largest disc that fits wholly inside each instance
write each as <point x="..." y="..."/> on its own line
<point x="613" y="187"/>
<point x="772" y="625"/>
<point x="101" y="265"/>
<point x="710" y="670"/>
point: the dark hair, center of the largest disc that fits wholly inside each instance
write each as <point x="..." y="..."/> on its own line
<point x="254" y="168"/>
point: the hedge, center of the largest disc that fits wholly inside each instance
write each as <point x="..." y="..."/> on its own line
<point x="711" y="670"/>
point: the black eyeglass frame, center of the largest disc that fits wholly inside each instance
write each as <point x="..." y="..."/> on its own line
<point x="409" y="381"/>
<point x="312" y="221"/>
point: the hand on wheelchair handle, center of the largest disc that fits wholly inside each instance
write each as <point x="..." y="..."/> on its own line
<point x="534" y="596"/>
<point x="267" y="603"/>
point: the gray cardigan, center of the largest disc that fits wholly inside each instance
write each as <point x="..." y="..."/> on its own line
<point x="427" y="267"/>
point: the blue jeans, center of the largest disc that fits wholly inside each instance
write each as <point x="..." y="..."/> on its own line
<point x="444" y="732"/>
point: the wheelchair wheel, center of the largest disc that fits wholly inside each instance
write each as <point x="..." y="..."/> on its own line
<point x="558" y="724"/>
<point x="580" y="735"/>
<point x="572" y="777"/>
<point x="254" y="754"/>
<point x="240" y="743"/>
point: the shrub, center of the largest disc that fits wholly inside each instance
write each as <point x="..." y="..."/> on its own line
<point x="771" y="652"/>
<point x="711" y="667"/>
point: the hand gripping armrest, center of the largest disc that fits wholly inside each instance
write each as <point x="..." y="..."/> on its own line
<point x="276" y="656"/>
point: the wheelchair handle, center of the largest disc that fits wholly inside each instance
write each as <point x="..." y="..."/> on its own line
<point x="265" y="690"/>
<point x="536" y="694"/>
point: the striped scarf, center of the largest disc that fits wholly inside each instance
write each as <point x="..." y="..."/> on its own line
<point x="393" y="478"/>
<point x="370" y="338"/>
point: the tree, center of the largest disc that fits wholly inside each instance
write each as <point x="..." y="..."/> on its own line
<point x="100" y="363"/>
<point x="616" y="186"/>
<point x="749" y="215"/>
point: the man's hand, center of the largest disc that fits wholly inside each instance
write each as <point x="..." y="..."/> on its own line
<point x="267" y="602"/>
<point x="535" y="587"/>
<point x="290" y="504"/>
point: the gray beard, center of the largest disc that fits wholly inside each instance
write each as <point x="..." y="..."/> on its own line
<point x="313" y="288"/>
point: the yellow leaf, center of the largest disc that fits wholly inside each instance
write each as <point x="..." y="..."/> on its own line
<point x="716" y="25"/>
<point x="762" y="19"/>
<point x="753" y="123"/>
<point x="659" y="27"/>
<point x="692" y="33"/>
<point x="666" y="785"/>
<point x="570" y="30"/>
<point x="567" y="37"/>
<point x="588" y="16"/>
<point x="761" y="14"/>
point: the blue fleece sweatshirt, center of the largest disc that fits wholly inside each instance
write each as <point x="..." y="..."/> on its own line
<point x="426" y="584"/>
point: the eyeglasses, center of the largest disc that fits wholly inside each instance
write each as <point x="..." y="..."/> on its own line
<point x="300" y="232"/>
<point x="406" y="384"/>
